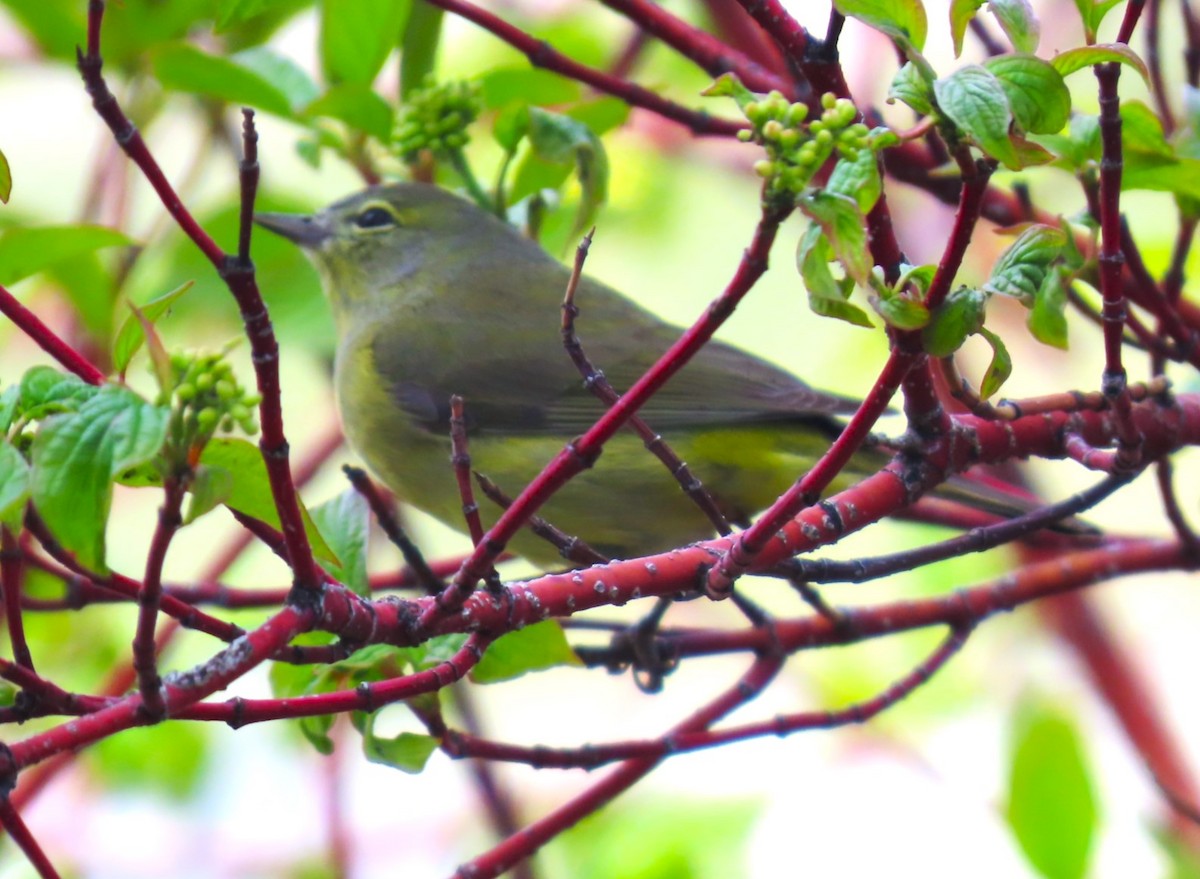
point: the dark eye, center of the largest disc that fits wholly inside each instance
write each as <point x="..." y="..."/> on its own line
<point x="374" y="218"/>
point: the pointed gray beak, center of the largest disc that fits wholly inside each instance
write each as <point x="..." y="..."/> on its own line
<point x="306" y="230"/>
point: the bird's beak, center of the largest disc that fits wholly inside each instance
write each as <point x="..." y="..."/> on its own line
<point x="309" y="231"/>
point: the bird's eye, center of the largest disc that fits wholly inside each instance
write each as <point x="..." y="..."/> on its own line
<point x="374" y="218"/>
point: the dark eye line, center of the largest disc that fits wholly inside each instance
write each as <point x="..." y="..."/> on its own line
<point x="374" y="218"/>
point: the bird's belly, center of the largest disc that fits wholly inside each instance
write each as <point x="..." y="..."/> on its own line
<point x="627" y="505"/>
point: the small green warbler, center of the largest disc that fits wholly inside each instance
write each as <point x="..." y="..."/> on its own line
<point x="433" y="296"/>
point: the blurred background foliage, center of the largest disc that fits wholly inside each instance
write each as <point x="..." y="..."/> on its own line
<point x="1007" y="735"/>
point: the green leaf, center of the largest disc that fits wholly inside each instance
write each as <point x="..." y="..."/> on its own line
<point x="357" y="36"/>
<point x="902" y="20"/>
<point x="826" y="294"/>
<point x="344" y="522"/>
<point x="1021" y="269"/>
<point x="560" y="139"/>
<point x="533" y="648"/>
<point x="131" y="336"/>
<point x="858" y="179"/>
<point x="845" y="228"/>
<point x="25" y="251"/>
<point x="14" y="483"/>
<point x="901" y="312"/>
<point x="408" y="752"/>
<point x="1072" y="60"/>
<point x="1000" y="367"/>
<point x="526" y="85"/>
<point x="357" y="106"/>
<point x="1092" y="12"/>
<point x="167" y="760"/>
<point x="511" y="126"/>
<point x="1051" y="801"/>
<point x="288" y="77"/>
<point x="76" y="456"/>
<point x="419" y="45"/>
<point x="960" y="316"/>
<point x="1142" y="131"/>
<point x="727" y="85"/>
<point x="185" y="68"/>
<point x="230" y="13"/>
<point x="1037" y="95"/>
<point x="251" y="490"/>
<point x="921" y="276"/>
<point x="45" y="391"/>
<point x="1080" y="146"/>
<point x="976" y="102"/>
<point x="1047" y="319"/>
<point x="961" y="13"/>
<point x="210" y="487"/>
<point x="9" y="399"/>
<point x="911" y="87"/>
<point x="1019" y="23"/>
<point x="5" y="178"/>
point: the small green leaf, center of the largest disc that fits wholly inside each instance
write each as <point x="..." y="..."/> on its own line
<point x="131" y="336"/>
<point x="1036" y="92"/>
<point x="9" y="400"/>
<point x="1080" y="146"/>
<point x="358" y="106"/>
<point x="1021" y="269"/>
<point x="14" y="483"/>
<point x="1000" y="367"/>
<point x="902" y="20"/>
<point x="357" y="36"/>
<point x="418" y="46"/>
<point x="185" y="68"/>
<point x="511" y="126"/>
<point x="5" y="178"/>
<point x="976" y="102"/>
<point x="526" y="85"/>
<point x="533" y="648"/>
<point x="25" y="251"/>
<point x="211" y="487"/>
<point x="912" y="88"/>
<point x="900" y="311"/>
<point x="344" y="522"/>
<point x="961" y="13"/>
<point x="76" y="456"/>
<point x="288" y="77"/>
<point x="1072" y="60"/>
<point x="1051" y="799"/>
<point x="727" y="85"/>
<point x="1019" y="23"/>
<point x="251" y="490"/>
<point x="960" y="316"/>
<point x="857" y="178"/>
<point x="826" y="294"/>
<point x="1092" y="12"/>
<point x="408" y="752"/>
<point x="921" y="276"/>
<point x="560" y="139"/>
<point x="1047" y="319"/>
<point x="845" y="228"/>
<point x="44" y="391"/>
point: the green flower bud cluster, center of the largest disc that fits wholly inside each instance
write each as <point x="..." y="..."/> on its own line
<point x="795" y="150"/>
<point x="206" y="398"/>
<point x="436" y="119"/>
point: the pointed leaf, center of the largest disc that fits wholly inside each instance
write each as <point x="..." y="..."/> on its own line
<point x="533" y="648"/>
<point x="408" y="752"/>
<point x="357" y="36"/>
<point x="1036" y="92"/>
<point x="131" y="336"/>
<point x="910" y="87"/>
<point x="961" y="13"/>
<point x="14" y="484"/>
<point x="999" y="369"/>
<point x="902" y="20"/>
<point x="976" y="102"/>
<point x="1019" y="23"/>
<point x="1021" y="269"/>
<point x="1072" y="60"/>
<point x="25" y="251"/>
<point x="344" y="522"/>
<point x="845" y="228"/>
<point x="960" y="316"/>
<point x="1047" y="319"/>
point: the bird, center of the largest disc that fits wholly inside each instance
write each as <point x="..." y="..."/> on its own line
<point x="434" y="297"/>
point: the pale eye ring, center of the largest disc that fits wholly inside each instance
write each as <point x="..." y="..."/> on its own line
<point x="374" y="218"/>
